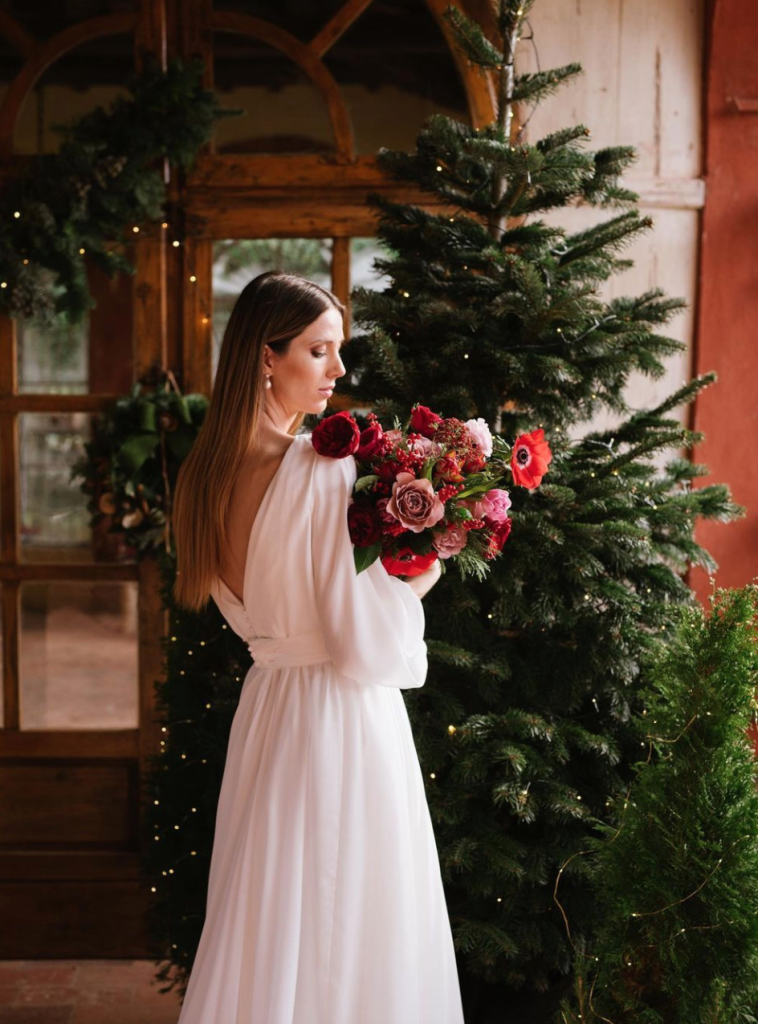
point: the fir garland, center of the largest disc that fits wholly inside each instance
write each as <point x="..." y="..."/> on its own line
<point x="132" y="460"/>
<point x="107" y="176"/>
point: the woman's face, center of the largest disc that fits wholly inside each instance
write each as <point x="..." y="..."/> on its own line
<point x="312" y="363"/>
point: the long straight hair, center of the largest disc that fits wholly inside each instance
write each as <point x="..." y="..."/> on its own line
<point x="272" y="309"/>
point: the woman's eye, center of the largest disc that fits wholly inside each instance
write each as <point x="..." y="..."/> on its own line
<point x="319" y="354"/>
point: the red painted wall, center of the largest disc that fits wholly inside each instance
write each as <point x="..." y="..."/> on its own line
<point x="727" y="315"/>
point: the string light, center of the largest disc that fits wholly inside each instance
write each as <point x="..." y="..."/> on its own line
<point x="17" y="214"/>
<point x="81" y="252"/>
<point x="175" y="243"/>
<point x="164" y="225"/>
<point x="135" y="229"/>
<point x="193" y="278"/>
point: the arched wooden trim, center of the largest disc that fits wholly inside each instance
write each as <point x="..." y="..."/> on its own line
<point x="307" y="60"/>
<point x="480" y="90"/>
<point x="45" y="55"/>
<point x="336" y="27"/>
<point x="17" y="35"/>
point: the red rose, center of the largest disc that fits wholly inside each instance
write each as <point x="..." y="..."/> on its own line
<point x="388" y="470"/>
<point x="499" y="535"/>
<point x="363" y="524"/>
<point x="531" y="455"/>
<point x="407" y="562"/>
<point x="423" y="420"/>
<point x="336" y="436"/>
<point x="371" y="441"/>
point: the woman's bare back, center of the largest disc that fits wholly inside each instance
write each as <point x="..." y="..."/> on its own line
<point x="250" y="487"/>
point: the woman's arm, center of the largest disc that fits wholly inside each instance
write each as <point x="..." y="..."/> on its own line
<point x="424" y="582"/>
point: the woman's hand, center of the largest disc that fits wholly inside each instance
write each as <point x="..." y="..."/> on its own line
<point x="424" y="582"/>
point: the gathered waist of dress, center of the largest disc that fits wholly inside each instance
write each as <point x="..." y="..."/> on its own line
<point x="297" y="649"/>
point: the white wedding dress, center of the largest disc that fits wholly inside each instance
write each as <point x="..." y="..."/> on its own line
<point x="325" y="901"/>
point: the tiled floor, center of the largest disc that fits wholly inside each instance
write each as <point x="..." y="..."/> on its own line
<point x="84" y="992"/>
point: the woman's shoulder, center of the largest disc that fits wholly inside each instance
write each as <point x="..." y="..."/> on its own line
<point x="332" y="475"/>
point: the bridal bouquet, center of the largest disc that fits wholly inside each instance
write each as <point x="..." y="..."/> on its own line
<point x="428" y="491"/>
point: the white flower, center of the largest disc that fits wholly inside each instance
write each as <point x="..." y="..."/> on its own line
<point x="481" y="433"/>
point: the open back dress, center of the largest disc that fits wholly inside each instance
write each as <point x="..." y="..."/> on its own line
<point x="325" y="899"/>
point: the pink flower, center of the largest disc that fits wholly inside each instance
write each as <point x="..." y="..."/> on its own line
<point x="495" y="505"/>
<point x="414" y="502"/>
<point x="481" y="432"/>
<point x="450" y="541"/>
<point x="394" y="435"/>
<point x="381" y="508"/>
<point x="426" y="447"/>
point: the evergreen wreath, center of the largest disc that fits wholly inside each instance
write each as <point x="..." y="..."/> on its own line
<point x="106" y="176"/>
<point x="131" y="463"/>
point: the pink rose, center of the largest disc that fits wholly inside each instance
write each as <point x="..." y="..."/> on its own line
<point x="414" y="502"/>
<point x="481" y="432"/>
<point x="394" y="435"/>
<point x="426" y="447"/>
<point x="451" y="541"/>
<point x="495" y="505"/>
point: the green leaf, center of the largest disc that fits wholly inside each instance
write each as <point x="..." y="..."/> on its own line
<point x="146" y="411"/>
<point x="136" y="450"/>
<point x="365" y="556"/>
<point x="365" y="481"/>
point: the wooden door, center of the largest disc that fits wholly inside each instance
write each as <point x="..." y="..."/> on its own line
<point x="81" y="620"/>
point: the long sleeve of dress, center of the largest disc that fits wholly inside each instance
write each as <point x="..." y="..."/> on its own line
<point x="373" y="623"/>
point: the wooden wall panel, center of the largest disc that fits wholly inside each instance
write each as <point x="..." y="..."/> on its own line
<point x="75" y="804"/>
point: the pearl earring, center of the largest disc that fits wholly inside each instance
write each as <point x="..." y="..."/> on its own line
<point x="268" y="381"/>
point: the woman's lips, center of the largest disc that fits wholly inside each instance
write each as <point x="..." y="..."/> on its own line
<point x="326" y="391"/>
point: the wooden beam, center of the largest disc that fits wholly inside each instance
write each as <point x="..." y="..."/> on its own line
<point x="337" y="26"/>
<point x="78" y="744"/>
<point x="98" y="572"/>
<point x="44" y="55"/>
<point x="304" y="57"/>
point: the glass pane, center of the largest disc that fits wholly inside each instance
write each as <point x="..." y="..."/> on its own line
<point x="53" y="359"/>
<point x="78" y="654"/>
<point x="94" y="356"/>
<point x="54" y="515"/>
<point x="283" y="111"/>
<point x="363" y="252"/>
<point x="238" y="261"/>
<point x="89" y="76"/>
<point x="395" y="69"/>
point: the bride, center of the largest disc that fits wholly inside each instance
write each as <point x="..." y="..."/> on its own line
<point x="325" y="902"/>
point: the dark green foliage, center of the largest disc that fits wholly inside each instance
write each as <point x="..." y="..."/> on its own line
<point x="676" y="875"/>
<point x="130" y="464"/>
<point x="106" y="176"/>
<point x="204" y="665"/>
<point x="526" y="728"/>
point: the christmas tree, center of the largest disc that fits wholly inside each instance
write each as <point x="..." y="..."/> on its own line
<point x="525" y="729"/>
<point x="677" y="877"/>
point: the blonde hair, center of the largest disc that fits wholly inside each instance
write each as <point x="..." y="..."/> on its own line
<point x="271" y="310"/>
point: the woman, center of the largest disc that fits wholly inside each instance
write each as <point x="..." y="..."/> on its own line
<point x="325" y="901"/>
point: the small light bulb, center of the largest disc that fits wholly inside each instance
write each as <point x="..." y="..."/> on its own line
<point x="135" y="229"/>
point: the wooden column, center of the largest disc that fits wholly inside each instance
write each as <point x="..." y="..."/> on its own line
<point x="728" y="293"/>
